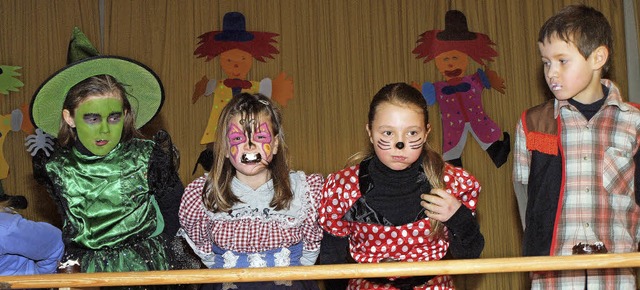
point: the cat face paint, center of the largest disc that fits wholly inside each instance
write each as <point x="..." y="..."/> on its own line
<point x="393" y="125"/>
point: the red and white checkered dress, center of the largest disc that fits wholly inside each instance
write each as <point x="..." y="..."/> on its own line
<point x="252" y="226"/>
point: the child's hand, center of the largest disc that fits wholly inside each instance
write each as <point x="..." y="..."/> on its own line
<point x="497" y="83"/>
<point x="439" y="204"/>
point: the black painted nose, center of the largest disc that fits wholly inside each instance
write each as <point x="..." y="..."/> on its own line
<point x="400" y="145"/>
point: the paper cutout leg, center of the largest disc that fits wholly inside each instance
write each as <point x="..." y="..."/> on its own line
<point x="499" y="150"/>
<point x="15" y="201"/>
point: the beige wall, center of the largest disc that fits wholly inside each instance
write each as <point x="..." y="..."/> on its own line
<point x="339" y="53"/>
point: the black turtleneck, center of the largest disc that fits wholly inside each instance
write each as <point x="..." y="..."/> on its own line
<point x="589" y="110"/>
<point x="395" y="194"/>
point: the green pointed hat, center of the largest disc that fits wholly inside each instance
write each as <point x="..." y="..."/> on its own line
<point x="143" y="86"/>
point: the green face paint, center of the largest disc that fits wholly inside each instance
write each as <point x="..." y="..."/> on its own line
<point x="99" y="123"/>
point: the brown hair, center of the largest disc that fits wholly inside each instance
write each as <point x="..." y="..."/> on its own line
<point x="217" y="194"/>
<point x="402" y="94"/>
<point x="99" y="85"/>
<point x="584" y="26"/>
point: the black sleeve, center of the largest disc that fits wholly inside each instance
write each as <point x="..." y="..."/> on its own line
<point x="164" y="181"/>
<point x="465" y="239"/>
<point x="334" y="250"/>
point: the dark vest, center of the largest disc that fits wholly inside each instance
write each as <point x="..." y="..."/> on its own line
<point x="545" y="178"/>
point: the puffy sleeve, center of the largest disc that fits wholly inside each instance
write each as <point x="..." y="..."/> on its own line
<point x="465" y="239"/>
<point x="463" y="185"/>
<point x="521" y="162"/>
<point x="311" y="231"/>
<point x="195" y="224"/>
<point x="339" y="192"/>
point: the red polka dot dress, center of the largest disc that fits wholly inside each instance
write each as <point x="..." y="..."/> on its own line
<point x="373" y="243"/>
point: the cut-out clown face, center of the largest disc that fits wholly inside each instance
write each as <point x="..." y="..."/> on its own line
<point x="99" y="121"/>
<point x="250" y="152"/>
<point x="452" y="64"/>
<point x="236" y="63"/>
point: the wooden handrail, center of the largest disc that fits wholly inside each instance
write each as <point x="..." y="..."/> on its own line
<point x="322" y="272"/>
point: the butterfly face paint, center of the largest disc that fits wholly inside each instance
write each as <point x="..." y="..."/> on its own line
<point x="236" y="138"/>
<point x="250" y="146"/>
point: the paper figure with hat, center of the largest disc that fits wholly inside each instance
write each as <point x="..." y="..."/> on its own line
<point x="459" y="95"/>
<point x="17" y="120"/>
<point x="237" y="48"/>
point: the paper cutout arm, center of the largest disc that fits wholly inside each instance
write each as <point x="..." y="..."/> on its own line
<point x="497" y="83"/>
<point x="282" y="90"/>
<point x="8" y="80"/>
<point x="429" y="93"/>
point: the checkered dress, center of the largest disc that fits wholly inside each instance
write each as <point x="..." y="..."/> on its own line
<point x="252" y="226"/>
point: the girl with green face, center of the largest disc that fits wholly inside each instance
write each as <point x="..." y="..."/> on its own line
<point x="99" y="121"/>
<point x="117" y="192"/>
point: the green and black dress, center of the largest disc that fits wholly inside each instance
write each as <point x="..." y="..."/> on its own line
<point x="119" y="211"/>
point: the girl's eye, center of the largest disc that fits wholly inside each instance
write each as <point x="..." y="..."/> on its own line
<point x="387" y="133"/>
<point x="563" y="61"/>
<point x="91" y="118"/>
<point x="262" y="137"/>
<point x="413" y="133"/>
<point x="236" y="138"/>
<point x="115" y="118"/>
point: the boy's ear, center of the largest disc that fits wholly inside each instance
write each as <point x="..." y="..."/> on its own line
<point x="66" y="115"/>
<point x="600" y="56"/>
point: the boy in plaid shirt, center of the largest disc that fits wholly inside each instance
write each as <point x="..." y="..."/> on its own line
<point x="575" y="156"/>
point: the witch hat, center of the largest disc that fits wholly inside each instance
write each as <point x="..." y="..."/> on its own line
<point x="144" y="88"/>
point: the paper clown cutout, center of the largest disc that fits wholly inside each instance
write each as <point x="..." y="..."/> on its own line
<point x="17" y="120"/>
<point x="459" y="96"/>
<point x="8" y="80"/>
<point x="237" y="48"/>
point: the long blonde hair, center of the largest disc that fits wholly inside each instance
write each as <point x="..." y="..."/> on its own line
<point x="402" y="94"/>
<point x="217" y="194"/>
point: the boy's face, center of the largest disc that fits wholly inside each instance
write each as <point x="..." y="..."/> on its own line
<point x="568" y="73"/>
<point x="398" y="135"/>
<point x="99" y="121"/>
<point x="247" y="145"/>
<point x="236" y="63"/>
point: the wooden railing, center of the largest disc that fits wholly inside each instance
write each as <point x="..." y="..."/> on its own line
<point x="322" y="272"/>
